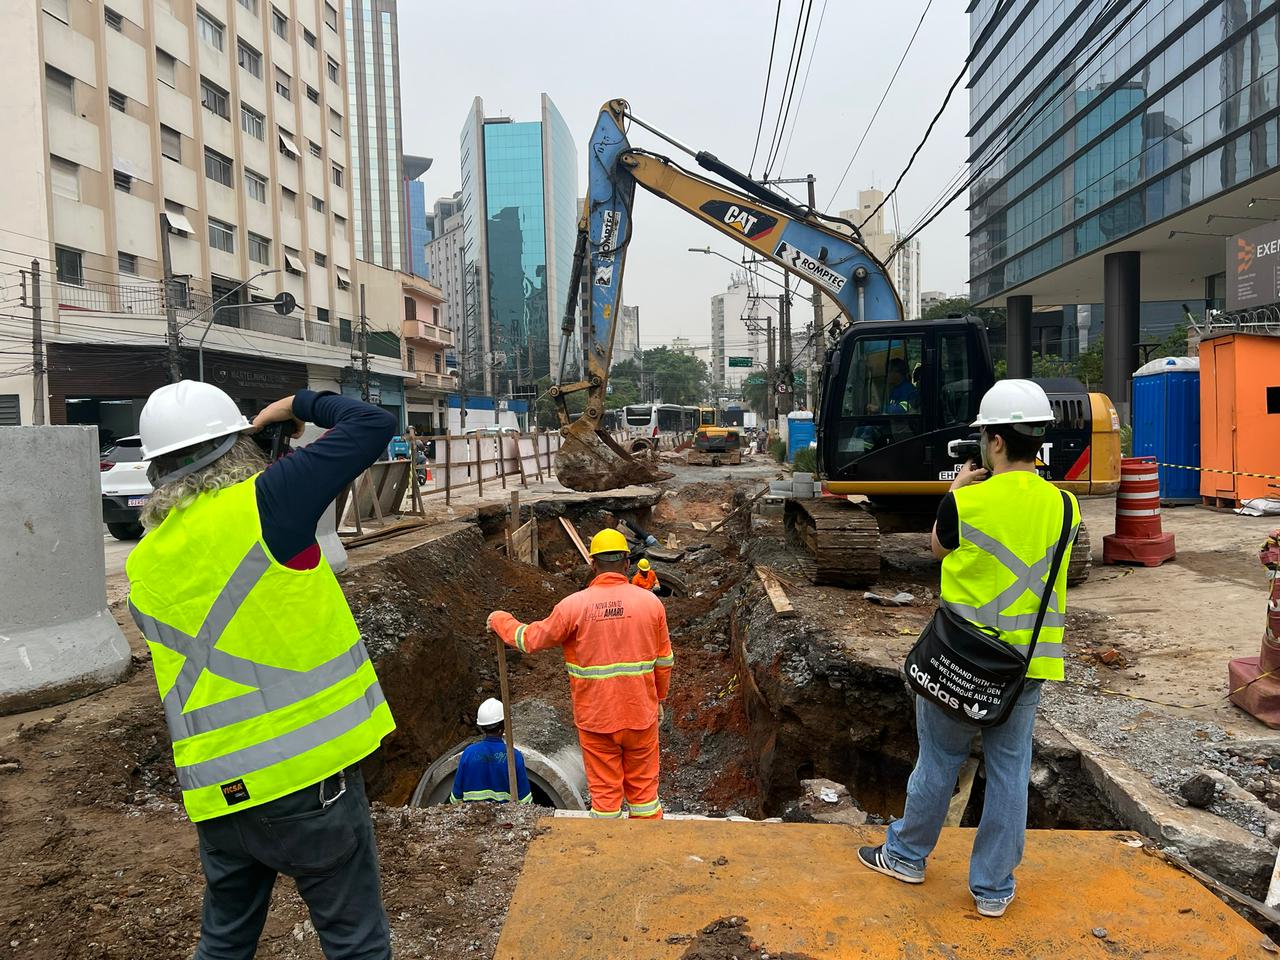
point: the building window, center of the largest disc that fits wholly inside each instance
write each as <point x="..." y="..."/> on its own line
<point x="335" y="121"/>
<point x="331" y="18"/>
<point x="114" y="20"/>
<point x="287" y="146"/>
<point x="259" y="249"/>
<point x="128" y="263"/>
<point x="59" y="90"/>
<point x="317" y="205"/>
<point x="322" y="314"/>
<point x="170" y="143"/>
<point x="280" y="24"/>
<point x="337" y="175"/>
<point x="410" y="308"/>
<point x="344" y="279"/>
<point x="344" y="327"/>
<point x="214" y="99"/>
<point x="222" y="236"/>
<point x="252" y="122"/>
<point x="290" y="199"/>
<point x="176" y="216"/>
<point x="250" y="59"/>
<point x="217" y="167"/>
<point x="282" y="83"/>
<point x="117" y="100"/>
<point x="70" y="264"/>
<point x="255" y="185"/>
<point x="65" y="178"/>
<point x="320" y="259"/>
<point x="293" y="262"/>
<point x="435" y="315"/>
<point x="210" y="30"/>
<point x="313" y="94"/>
<point x="332" y="68"/>
<point x="410" y="359"/>
<point x="250" y="5"/>
<point x="123" y="182"/>
<point x="435" y="357"/>
<point x="309" y="38"/>
<point x="314" y="149"/>
<point x="340" y="227"/>
<point x="59" y="9"/>
<point x="166" y="67"/>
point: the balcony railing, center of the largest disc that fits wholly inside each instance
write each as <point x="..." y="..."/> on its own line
<point x="320" y="331"/>
<point x="421" y="330"/>
<point x="435" y="381"/>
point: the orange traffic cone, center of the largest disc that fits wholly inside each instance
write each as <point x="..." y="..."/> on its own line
<point x="1138" y="537"/>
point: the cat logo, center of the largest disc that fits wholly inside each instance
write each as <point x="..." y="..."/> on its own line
<point x="751" y="223"/>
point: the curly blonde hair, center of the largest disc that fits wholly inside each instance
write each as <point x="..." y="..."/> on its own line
<point x="242" y="461"/>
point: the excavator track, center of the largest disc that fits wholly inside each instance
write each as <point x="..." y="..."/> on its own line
<point x="842" y="538"/>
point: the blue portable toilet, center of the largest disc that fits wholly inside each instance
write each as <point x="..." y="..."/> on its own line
<point x="1166" y="424"/>
<point x="800" y="432"/>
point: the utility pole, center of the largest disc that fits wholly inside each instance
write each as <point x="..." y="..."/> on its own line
<point x="815" y="335"/>
<point x="786" y="377"/>
<point x="462" y="356"/>
<point x="771" y="378"/>
<point x="364" y="350"/>
<point x="37" y="347"/>
<point x="170" y="312"/>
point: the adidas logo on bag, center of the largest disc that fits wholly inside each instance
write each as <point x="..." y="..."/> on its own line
<point x="934" y="689"/>
<point x="974" y="712"/>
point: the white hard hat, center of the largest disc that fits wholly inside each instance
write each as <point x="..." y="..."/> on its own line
<point x="187" y="413"/>
<point x="1014" y="401"/>
<point x="490" y="712"/>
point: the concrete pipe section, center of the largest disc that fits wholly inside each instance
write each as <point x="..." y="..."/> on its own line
<point x="552" y="760"/>
<point x="58" y="640"/>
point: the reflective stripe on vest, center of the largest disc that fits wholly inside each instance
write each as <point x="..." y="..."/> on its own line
<point x="246" y="731"/>
<point x="606" y="670"/>
<point x="990" y="584"/>
<point x="501" y="796"/>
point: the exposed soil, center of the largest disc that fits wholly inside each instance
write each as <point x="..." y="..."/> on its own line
<point x="727" y="939"/>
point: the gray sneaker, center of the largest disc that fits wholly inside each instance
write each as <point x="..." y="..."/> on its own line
<point x="876" y="859"/>
<point x="991" y="908"/>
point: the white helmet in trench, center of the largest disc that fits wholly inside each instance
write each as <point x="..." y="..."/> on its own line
<point x="490" y="712"/>
<point x="1016" y="402"/>
<point x="189" y="415"/>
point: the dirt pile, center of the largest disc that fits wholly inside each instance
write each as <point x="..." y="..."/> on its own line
<point x="727" y="939"/>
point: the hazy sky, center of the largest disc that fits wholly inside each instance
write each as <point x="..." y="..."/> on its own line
<point x="696" y="69"/>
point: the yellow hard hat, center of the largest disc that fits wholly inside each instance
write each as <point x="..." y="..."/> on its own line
<point x="643" y="564"/>
<point x="609" y="540"/>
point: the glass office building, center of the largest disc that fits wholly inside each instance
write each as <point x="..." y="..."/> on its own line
<point x="1096" y="126"/>
<point x="519" y="209"/>
<point x="417" y="226"/>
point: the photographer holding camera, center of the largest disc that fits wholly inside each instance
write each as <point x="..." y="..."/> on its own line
<point x="269" y="695"/>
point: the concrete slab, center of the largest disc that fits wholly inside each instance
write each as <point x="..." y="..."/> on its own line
<point x="639" y="890"/>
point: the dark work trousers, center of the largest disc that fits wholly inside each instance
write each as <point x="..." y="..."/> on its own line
<point x="328" y="850"/>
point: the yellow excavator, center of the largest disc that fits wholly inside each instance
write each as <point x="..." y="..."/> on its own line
<point x="897" y="396"/>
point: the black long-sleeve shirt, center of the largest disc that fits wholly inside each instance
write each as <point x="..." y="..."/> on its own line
<point x="294" y="492"/>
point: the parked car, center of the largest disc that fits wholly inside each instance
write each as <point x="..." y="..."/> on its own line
<point x="490" y="430"/>
<point x="125" y="487"/>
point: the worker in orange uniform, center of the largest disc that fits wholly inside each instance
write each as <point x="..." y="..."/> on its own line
<point x="645" y="578"/>
<point x="618" y="654"/>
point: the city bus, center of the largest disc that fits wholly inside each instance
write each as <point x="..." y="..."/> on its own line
<point x="650" y="422"/>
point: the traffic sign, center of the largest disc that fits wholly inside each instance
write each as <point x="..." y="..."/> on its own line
<point x="740" y="361"/>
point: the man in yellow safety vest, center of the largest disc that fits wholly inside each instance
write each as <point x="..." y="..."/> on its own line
<point x="269" y="695"/>
<point x="997" y="540"/>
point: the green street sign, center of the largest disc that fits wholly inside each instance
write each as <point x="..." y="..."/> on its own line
<point x="740" y="361"/>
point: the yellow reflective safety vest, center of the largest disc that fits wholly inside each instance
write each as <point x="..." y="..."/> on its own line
<point x="266" y="685"/>
<point x="1009" y="528"/>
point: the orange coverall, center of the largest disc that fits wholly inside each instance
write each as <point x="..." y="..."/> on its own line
<point x="645" y="579"/>
<point x="618" y="654"/>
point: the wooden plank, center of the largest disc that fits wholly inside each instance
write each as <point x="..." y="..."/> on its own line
<point x="739" y="509"/>
<point x="664" y="554"/>
<point x="522" y="542"/>
<point x="777" y="596"/>
<point x="577" y="540"/>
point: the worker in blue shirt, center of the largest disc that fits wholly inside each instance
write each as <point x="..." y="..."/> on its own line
<point x="482" y="768"/>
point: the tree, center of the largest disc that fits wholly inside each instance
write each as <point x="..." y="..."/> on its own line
<point x="946" y="308"/>
<point x="662" y="374"/>
<point x="755" y="392"/>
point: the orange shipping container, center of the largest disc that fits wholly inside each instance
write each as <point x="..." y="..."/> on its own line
<point x="1239" y="417"/>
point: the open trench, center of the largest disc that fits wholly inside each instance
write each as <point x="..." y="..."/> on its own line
<point x="758" y="704"/>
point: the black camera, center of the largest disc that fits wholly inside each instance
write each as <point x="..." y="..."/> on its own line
<point x="963" y="451"/>
<point x="273" y="439"/>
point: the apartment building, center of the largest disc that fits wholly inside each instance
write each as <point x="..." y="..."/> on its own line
<point x="214" y="134"/>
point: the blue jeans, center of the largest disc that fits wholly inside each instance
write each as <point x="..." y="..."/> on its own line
<point x="944" y="747"/>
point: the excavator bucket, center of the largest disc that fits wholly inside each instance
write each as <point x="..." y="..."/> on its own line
<point x="591" y="460"/>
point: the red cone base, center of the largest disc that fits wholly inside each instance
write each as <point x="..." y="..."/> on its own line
<point x="1148" y="551"/>
<point x="1262" y="699"/>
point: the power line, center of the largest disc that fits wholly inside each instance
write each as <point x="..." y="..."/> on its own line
<point x="883" y="96"/>
<point x="789" y="83"/>
<point x="817" y="34"/>
<point x="768" y="80"/>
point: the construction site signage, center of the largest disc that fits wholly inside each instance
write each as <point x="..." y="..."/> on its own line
<point x="1253" y="268"/>
<point x="739" y="361"/>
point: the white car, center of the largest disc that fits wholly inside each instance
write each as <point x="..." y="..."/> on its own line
<point x="489" y="430"/>
<point x="125" y="487"/>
